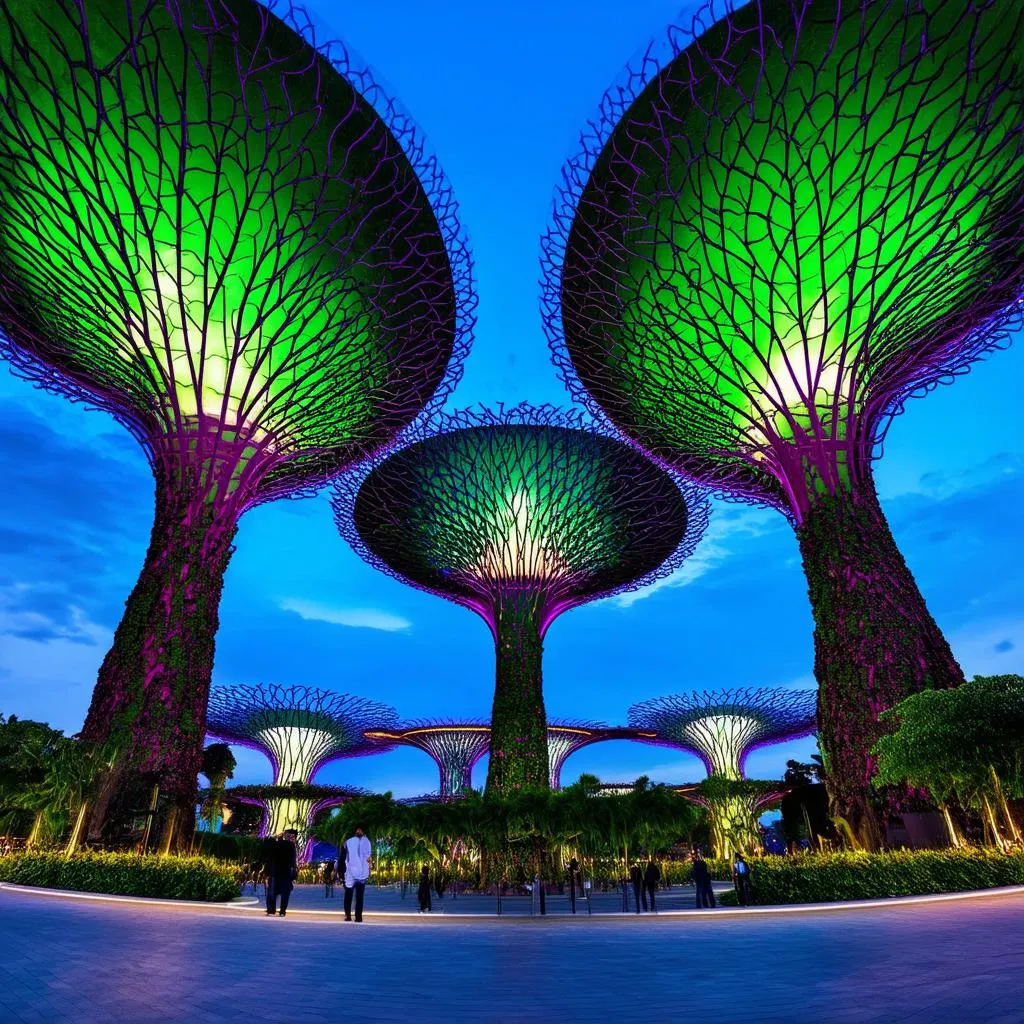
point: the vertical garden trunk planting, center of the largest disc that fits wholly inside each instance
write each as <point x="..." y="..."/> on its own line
<point x="153" y="686"/>
<point x="875" y="642"/>
<point x="519" y="748"/>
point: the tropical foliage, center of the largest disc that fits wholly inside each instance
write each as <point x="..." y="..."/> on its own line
<point x="218" y="766"/>
<point x="47" y="778"/>
<point x="964" y="745"/>
<point x="510" y="838"/>
<point x="177" y="878"/>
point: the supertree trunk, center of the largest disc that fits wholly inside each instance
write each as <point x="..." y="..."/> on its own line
<point x="151" y="695"/>
<point x="519" y="746"/>
<point x="875" y="642"/>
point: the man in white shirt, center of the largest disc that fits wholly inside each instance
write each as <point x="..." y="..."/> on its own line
<point x="357" y="871"/>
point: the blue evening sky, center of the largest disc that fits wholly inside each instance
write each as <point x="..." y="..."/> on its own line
<point x="501" y="92"/>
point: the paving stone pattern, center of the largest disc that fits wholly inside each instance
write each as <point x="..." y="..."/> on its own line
<point x="84" y="962"/>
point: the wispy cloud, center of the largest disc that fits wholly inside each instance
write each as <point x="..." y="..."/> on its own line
<point x="356" y="618"/>
<point x="998" y="469"/>
<point x="727" y="525"/>
<point x="990" y="648"/>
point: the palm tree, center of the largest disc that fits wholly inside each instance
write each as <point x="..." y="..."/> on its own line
<point x="218" y="766"/>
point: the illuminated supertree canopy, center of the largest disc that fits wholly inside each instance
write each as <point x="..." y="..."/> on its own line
<point x="519" y="515"/>
<point x="300" y="728"/>
<point x="722" y="727"/>
<point x="233" y="241"/>
<point x="781" y="227"/>
<point x="455" y="747"/>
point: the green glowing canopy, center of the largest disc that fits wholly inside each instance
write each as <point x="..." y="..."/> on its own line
<point x="205" y="227"/>
<point x="797" y="223"/>
<point x="481" y="510"/>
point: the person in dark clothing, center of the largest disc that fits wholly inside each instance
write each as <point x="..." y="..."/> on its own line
<point x="702" y="881"/>
<point x="423" y="892"/>
<point x="636" y="876"/>
<point x="741" y="879"/>
<point x="329" y="874"/>
<point x="281" y="865"/>
<point x="652" y="874"/>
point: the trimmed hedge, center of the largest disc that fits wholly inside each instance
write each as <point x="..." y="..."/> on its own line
<point x="228" y="846"/>
<point x="124" y="874"/>
<point x="828" y="877"/>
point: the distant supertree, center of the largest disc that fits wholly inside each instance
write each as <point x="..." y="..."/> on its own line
<point x="457" y="746"/>
<point x="454" y="747"/>
<point x="233" y="242"/>
<point x="788" y="221"/>
<point x="300" y="728"/>
<point x="293" y="806"/>
<point x="565" y="738"/>
<point x="518" y="515"/>
<point x="722" y="727"/>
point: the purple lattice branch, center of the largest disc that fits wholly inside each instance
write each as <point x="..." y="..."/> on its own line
<point x="427" y="429"/>
<point x="299" y="728"/>
<point x="769" y="470"/>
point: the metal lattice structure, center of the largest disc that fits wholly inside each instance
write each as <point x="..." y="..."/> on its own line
<point x="299" y="728"/>
<point x="785" y="221"/>
<point x="566" y="737"/>
<point x="519" y="515"/>
<point x="723" y="726"/>
<point x="229" y="238"/>
<point x="455" y="747"/>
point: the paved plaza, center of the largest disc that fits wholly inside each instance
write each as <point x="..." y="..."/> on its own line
<point x="81" y="961"/>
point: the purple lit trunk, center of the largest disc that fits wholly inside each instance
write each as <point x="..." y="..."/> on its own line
<point x="151" y="695"/>
<point x="519" y="746"/>
<point x="875" y="643"/>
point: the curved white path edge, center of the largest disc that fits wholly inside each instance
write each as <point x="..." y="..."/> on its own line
<point x="251" y="903"/>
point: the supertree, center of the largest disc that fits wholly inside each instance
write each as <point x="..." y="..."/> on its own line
<point x="232" y="241"/>
<point x="722" y="727"/>
<point x="455" y="747"/>
<point x="294" y="806"/>
<point x="518" y="515"/>
<point x="299" y="728"/>
<point x="565" y="738"/>
<point x="783" y="224"/>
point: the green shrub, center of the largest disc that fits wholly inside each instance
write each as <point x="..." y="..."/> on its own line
<point x="827" y="877"/>
<point x="124" y="874"/>
<point x="228" y="846"/>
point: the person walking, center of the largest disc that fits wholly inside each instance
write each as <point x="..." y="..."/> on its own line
<point x="357" y="871"/>
<point x="652" y="875"/>
<point x="423" y="892"/>
<point x="636" y="876"/>
<point x="281" y="866"/>
<point x="702" y="881"/>
<point x="741" y="879"/>
<point x="329" y="875"/>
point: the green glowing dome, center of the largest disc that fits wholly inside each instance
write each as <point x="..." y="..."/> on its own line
<point x="479" y="511"/>
<point x="207" y="229"/>
<point x="792" y="228"/>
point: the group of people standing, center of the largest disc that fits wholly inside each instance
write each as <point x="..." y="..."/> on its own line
<point x="645" y="882"/>
<point x="279" y="858"/>
<point x="702" y="880"/>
